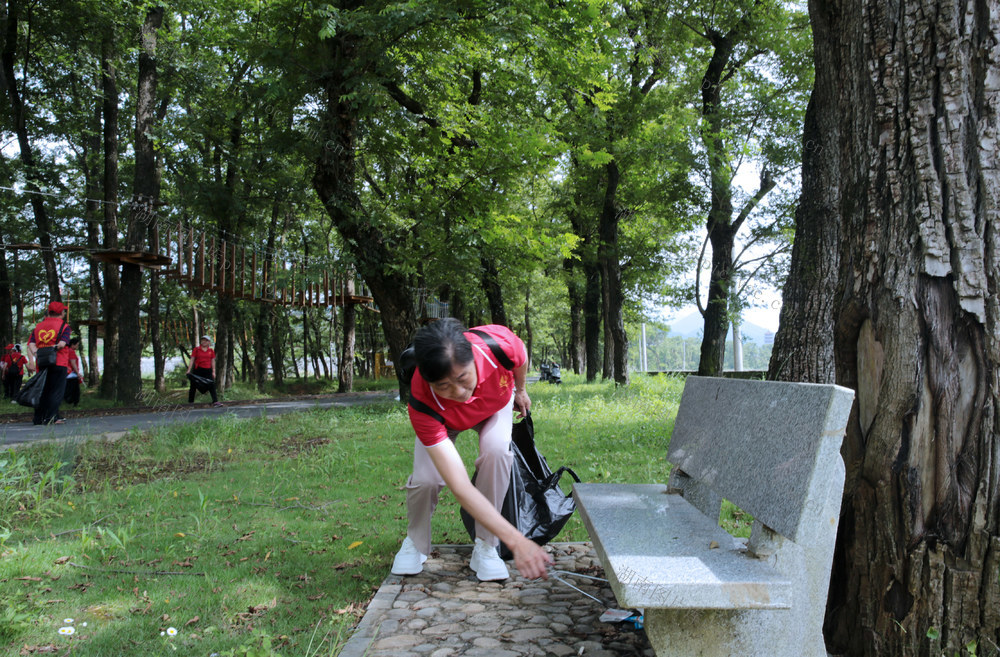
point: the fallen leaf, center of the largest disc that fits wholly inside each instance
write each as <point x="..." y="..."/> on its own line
<point x="355" y="544"/>
<point x="192" y="621"/>
<point x="29" y="579"/>
<point x="62" y="560"/>
<point x="713" y="546"/>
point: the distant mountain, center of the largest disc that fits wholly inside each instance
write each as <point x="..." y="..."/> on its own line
<point x="693" y="326"/>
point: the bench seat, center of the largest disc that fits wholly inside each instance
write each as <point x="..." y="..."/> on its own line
<point x="682" y="560"/>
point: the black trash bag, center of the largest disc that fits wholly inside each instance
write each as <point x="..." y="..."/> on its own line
<point x="201" y="384"/>
<point x="534" y="503"/>
<point x="31" y="392"/>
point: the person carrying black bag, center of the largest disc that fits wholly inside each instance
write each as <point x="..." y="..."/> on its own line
<point x="466" y="380"/>
<point x="50" y="335"/>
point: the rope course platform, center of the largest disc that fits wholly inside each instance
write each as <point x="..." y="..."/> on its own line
<point x="201" y="261"/>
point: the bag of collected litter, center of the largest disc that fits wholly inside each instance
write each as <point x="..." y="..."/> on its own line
<point x="31" y="392"/>
<point x="534" y="503"/>
<point x="201" y="384"/>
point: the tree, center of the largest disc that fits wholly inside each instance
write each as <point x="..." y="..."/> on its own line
<point x="142" y="212"/>
<point x="803" y="345"/>
<point x="752" y="91"/>
<point x="13" y="89"/>
<point x="917" y="321"/>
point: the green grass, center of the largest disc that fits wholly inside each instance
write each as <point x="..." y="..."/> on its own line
<point x="277" y="531"/>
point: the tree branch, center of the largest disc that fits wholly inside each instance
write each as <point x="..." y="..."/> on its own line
<point x="413" y="106"/>
<point x="767" y="183"/>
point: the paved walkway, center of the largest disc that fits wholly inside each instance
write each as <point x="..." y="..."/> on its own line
<point x="446" y="612"/>
<point x="114" y="424"/>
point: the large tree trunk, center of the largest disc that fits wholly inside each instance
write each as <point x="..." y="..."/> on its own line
<point x="33" y="178"/>
<point x="803" y="346"/>
<point x="142" y="213"/>
<point x="335" y="183"/>
<point x="112" y="280"/>
<point x="917" y="333"/>
<point x="614" y="330"/>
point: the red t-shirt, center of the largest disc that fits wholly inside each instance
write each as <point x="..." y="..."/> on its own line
<point x="49" y="331"/>
<point x="65" y="356"/>
<point x="15" y="362"/>
<point x="493" y="389"/>
<point x="202" y="358"/>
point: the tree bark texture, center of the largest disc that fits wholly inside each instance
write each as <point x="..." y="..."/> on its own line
<point x="803" y="346"/>
<point x="917" y="334"/>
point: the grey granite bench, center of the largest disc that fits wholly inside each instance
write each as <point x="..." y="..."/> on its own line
<point x="773" y="449"/>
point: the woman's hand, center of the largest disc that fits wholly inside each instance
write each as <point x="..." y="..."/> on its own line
<point x="530" y="559"/>
<point x="522" y="403"/>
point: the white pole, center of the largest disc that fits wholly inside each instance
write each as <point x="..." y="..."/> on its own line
<point x="642" y="352"/>
<point x="737" y="348"/>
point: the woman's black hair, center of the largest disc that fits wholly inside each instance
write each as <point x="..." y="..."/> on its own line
<point x="439" y="346"/>
<point x="73" y="342"/>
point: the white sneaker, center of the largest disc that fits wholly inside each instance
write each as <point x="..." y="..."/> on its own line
<point x="487" y="563"/>
<point x="409" y="560"/>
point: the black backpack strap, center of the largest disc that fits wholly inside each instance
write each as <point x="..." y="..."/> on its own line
<point x="495" y="347"/>
<point x="425" y="409"/>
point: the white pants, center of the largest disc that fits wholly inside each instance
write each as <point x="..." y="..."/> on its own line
<point x="494" y="464"/>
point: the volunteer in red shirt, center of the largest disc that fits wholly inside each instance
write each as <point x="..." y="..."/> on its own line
<point x="74" y="379"/>
<point x="53" y="331"/>
<point x="461" y="384"/>
<point x="12" y="365"/>
<point x="202" y="364"/>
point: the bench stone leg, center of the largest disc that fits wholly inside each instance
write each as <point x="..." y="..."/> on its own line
<point x="725" y="633"/>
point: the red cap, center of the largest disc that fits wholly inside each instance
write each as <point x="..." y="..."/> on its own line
<point x="56" y="307"/>
<point x="9" y="347"/>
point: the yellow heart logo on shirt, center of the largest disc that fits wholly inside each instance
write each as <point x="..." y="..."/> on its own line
<point x="47" y="336"/>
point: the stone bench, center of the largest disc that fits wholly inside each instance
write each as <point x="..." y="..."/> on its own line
<point x="772" y="449"/>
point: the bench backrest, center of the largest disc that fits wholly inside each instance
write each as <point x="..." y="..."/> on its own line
<point x="771" y="448"/>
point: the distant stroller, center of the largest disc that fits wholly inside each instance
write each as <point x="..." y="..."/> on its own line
<point x="550" y="372"/>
